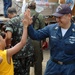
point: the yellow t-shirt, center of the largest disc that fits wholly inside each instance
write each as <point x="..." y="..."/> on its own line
<point x="5" y="67"/>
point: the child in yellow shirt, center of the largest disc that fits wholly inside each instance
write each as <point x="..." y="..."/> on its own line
<point x="6" y="63"/>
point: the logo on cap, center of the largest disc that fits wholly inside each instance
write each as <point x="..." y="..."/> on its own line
<point x="59" y="8"/>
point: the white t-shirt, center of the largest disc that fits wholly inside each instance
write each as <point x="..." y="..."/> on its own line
<point x="63" y="31"/>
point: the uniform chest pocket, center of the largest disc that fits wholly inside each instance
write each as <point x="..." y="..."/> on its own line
<point x="54" y="41"/>
<point x="70" y="42"/>
<point x="70" y="46"/>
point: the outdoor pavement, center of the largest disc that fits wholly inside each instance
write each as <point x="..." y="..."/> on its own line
<point x="46" y="57"/>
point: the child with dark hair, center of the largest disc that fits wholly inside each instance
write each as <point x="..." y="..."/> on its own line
<point x="6" y="62"/>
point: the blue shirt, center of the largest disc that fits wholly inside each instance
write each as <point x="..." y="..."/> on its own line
<point x="61" y="48"/>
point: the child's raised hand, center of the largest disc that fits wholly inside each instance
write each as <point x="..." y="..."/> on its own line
<point x="25" y="20"/>
<point x="27" y="16"/>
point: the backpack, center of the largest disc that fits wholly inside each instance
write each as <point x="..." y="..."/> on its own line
<point x="35" y="19"/>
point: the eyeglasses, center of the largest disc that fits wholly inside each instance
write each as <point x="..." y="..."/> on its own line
<point x="3" y="35"/>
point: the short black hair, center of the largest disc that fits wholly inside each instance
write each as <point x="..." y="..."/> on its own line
<point x="11" y="10"/>
<point x="32" y="5"/>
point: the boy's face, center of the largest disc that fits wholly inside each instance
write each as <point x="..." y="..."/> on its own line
<point x="9" y="15"/>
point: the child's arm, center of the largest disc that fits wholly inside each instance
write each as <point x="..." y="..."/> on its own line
<point x="19" y="45"/>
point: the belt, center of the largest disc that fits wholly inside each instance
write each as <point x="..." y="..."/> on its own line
<point x="63" y="63"/>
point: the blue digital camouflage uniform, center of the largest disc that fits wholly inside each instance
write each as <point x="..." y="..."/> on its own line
<point x="62" y="49"/>
<point x="23" y="57"/>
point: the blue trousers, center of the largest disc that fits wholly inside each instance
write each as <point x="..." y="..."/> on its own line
<point x="53" y="68"/>
<point x="7" y="4"/>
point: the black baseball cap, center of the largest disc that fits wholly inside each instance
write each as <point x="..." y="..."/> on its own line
<point x="62" y="10"/>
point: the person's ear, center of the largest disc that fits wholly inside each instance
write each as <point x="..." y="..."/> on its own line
<point x="69" y="16"/>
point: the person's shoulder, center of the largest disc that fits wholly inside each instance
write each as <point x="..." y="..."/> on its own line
<point x="40" y="15"/>
<point x="12" y="22"/>
<point x="53" y="26"/>
<point x="73" y="25"/>
<point x="15" y="19"/>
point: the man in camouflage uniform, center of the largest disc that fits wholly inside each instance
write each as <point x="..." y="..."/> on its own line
<point x="38" y="54"/>
<point x="14" y="28"/>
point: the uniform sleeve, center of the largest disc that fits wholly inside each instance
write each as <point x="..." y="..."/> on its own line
<point x="9" y="29"/>
<point x="40" y="34"/>
<point x="12" y="23"/>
